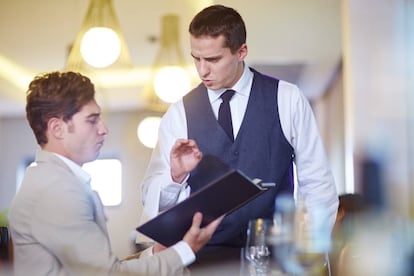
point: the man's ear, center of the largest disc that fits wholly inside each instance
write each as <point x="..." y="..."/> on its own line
<point x="55" y="127"/>
<point x="242" y="52"/>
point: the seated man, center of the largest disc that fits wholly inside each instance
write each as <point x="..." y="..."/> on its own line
<point x="57" y="222"/>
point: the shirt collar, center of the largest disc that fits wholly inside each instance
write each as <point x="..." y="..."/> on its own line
<point x="82" y="175"/>
<point x="242" y="86"/>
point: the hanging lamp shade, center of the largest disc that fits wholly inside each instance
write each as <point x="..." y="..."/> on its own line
<point x="99" y="43"/>
<point x="170" y="79"/>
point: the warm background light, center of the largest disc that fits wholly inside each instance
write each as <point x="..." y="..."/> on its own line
<point x="147" y="131"/>
<point x="171" y="83"/>
<point x="100" y="47"/>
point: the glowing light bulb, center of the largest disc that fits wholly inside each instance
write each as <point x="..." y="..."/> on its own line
<point x="171" y="83"/>
<point x="100" y="47"/>
<point x="147" y="131"/>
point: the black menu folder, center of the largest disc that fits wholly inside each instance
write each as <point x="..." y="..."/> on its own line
<point x="226" y="190"/>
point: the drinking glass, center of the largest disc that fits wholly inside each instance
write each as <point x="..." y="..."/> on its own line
<point x="282" y="236"/>
<point x="257" y="251"/>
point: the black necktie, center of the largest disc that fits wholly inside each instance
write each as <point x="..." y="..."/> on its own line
<point x="224" y="115"/>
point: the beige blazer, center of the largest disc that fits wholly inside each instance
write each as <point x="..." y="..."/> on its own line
<point x="58" y="228"/>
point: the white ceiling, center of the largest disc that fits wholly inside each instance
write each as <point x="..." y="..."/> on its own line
<point x="296" y="40"/>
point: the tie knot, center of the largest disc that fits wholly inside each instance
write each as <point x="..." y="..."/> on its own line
<point x="226" y="96"/>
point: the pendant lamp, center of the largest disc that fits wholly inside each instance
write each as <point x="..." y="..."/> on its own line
<point x="99" y="43"/>
<point x="170" y="79"/>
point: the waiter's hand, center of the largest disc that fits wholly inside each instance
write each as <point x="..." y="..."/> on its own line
<point x="197" y="237"/>
<point x="184" y="157"/>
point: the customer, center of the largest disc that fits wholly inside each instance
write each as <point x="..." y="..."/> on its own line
<point x="57" y="222"/>
<point x="272" y="123"/>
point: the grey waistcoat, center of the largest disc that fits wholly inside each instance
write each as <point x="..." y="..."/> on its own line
<point x="260" y="150"/>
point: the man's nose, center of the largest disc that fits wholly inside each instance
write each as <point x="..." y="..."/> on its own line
<point x="203" y="69"/>
<point x="103" y="129"/>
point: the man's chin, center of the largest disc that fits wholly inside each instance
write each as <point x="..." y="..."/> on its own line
<point x="91" y="158"/>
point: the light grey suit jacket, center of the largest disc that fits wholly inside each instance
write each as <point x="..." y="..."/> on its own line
<point x="58" y="228"/>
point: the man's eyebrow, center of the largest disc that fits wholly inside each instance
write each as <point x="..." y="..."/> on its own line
<point x="208" y="58"/>
<point x="93" y="115"/>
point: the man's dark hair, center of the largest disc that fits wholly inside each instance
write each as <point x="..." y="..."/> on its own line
<point x="219" y="20"/>
<point x="56" y="95"/>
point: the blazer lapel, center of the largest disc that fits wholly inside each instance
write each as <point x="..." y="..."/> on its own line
<point x="100" y="217"/>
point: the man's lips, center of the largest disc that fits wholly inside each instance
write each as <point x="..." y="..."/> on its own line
<point x="207" y="82"/>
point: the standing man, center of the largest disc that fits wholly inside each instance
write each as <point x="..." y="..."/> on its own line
<point x="271" y="127"/>
<point x="57" y="222"/>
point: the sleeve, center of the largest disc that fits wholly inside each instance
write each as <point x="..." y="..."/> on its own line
<point x="314" y="177"/>
<point x="159" y="192"/>
<point x="65" y="225"/>
<point x="183" y="249"/>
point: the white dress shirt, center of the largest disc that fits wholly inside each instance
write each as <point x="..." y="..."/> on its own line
<point x="314" y="178"/>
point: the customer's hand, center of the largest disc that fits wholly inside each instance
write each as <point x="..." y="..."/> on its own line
<point x="184" y="157"/>
<point x="158" y="248"/>
<point x="197" y="237"/>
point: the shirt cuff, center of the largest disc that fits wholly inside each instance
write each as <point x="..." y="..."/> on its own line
<point x="184" y="251"/>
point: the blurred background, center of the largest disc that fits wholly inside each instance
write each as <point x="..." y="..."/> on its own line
<point x="352" y="59"/>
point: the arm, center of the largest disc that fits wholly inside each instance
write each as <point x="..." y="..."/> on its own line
<point x="184" y="157"/>
<point x="315" y="180"/>
<point x="192" y="242"/>
<point x="64" y="223"/>
<point x="159" y="190"/>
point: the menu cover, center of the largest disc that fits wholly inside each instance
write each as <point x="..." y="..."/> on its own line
<point x="224" y="193"/>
